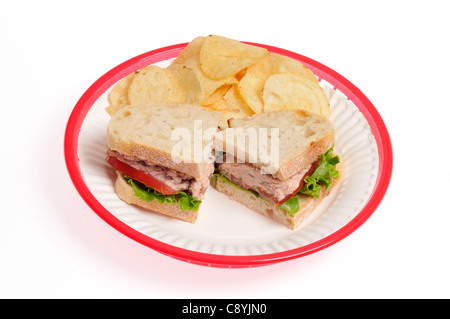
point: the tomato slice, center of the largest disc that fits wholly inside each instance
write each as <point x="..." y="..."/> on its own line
<point x="139" y="176"/>
<point x="302" y="182"/>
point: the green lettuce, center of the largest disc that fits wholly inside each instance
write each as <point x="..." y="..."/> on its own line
<point x="291" y="206"/>
<point x="215" y="176"/>
<point x="148" y="194"/>
<point x="322" y="175"/>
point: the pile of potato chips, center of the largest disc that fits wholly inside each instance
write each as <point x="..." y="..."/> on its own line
<point x="228" y="76"/>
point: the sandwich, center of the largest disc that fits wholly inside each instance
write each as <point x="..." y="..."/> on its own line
<point x="302" y="173"/>
<point x="157" y="169"/>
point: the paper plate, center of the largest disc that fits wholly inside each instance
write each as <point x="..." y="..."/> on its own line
<point x="227" y="234"/>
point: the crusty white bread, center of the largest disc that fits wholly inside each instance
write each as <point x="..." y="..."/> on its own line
<point x="126" y="193"/>
<point x="267" y="208"/>
<point x="303" y="137"/>
<point x="145" y="132"/>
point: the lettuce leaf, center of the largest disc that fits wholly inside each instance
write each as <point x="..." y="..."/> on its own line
<point x="322" y="175"/>
<point x="148" y="194"/>
<point x="291" y="206"/>
<point x="325" y="170"/>
<point x="215" y="176"/>
<point x="187" y="202"/>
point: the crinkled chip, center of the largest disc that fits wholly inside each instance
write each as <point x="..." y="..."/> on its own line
<point x="252" y="83"/>
<point x="282" y="64"/>
<point x="231" y="105"/>
<point x="189" y="83"/>
<point x="118" y="96"/>
<point x="225" y="115"/>
<point x="155" y="84"/>
<point x="221" y="57"/>
<point x="217" y="95"/>
<point x="119" y="93"/>
<point x="199" y="87"/>
<point x="293" y="91"/>
<point x="189" y="56"/>
<point x="225" y="75"/>
<point x="236" y="102"/>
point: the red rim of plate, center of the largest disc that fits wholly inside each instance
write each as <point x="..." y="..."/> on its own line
<point x="372" y="116"/>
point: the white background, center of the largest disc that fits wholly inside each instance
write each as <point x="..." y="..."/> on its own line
<point x="53" y="246"/>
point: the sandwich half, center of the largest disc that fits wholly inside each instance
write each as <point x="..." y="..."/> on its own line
<point x="302" y="172"/>
<point x="141" y="143"/>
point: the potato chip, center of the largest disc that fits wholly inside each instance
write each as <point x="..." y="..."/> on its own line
<point x="217" y="95"/>
<point x="119" y="94"/>
<point x="222" y="105"/>
<point x="112" y="109"/>
<point x="236" y="102"/>
<point x="190" y="60"/>
<point x="189" y="56"/>
<point x="252" y="83"/>
<point x="231" y="106"/>
<point x="155" y="84"/>
<point x="221" y="57"/>
<point x="240" y="74"/>
<point x="324" y="103"/>
<point x="282" y="64"/>
<point x="225" y="114"/>
<point x="292" y="91"/>
<point x="225" y="75"/>
<point x="189" y="83"/>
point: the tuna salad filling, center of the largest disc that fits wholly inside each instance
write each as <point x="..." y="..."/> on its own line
<point x="249" y="177"/>
<point x="283" y="193"/>
<point x="172" y="180"/>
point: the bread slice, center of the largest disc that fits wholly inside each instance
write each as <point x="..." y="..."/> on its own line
<point x="126" y="193"/>
<point x="267" y="208"/>
<point x="303" y="137"/>
<point x="146" y="132"/>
